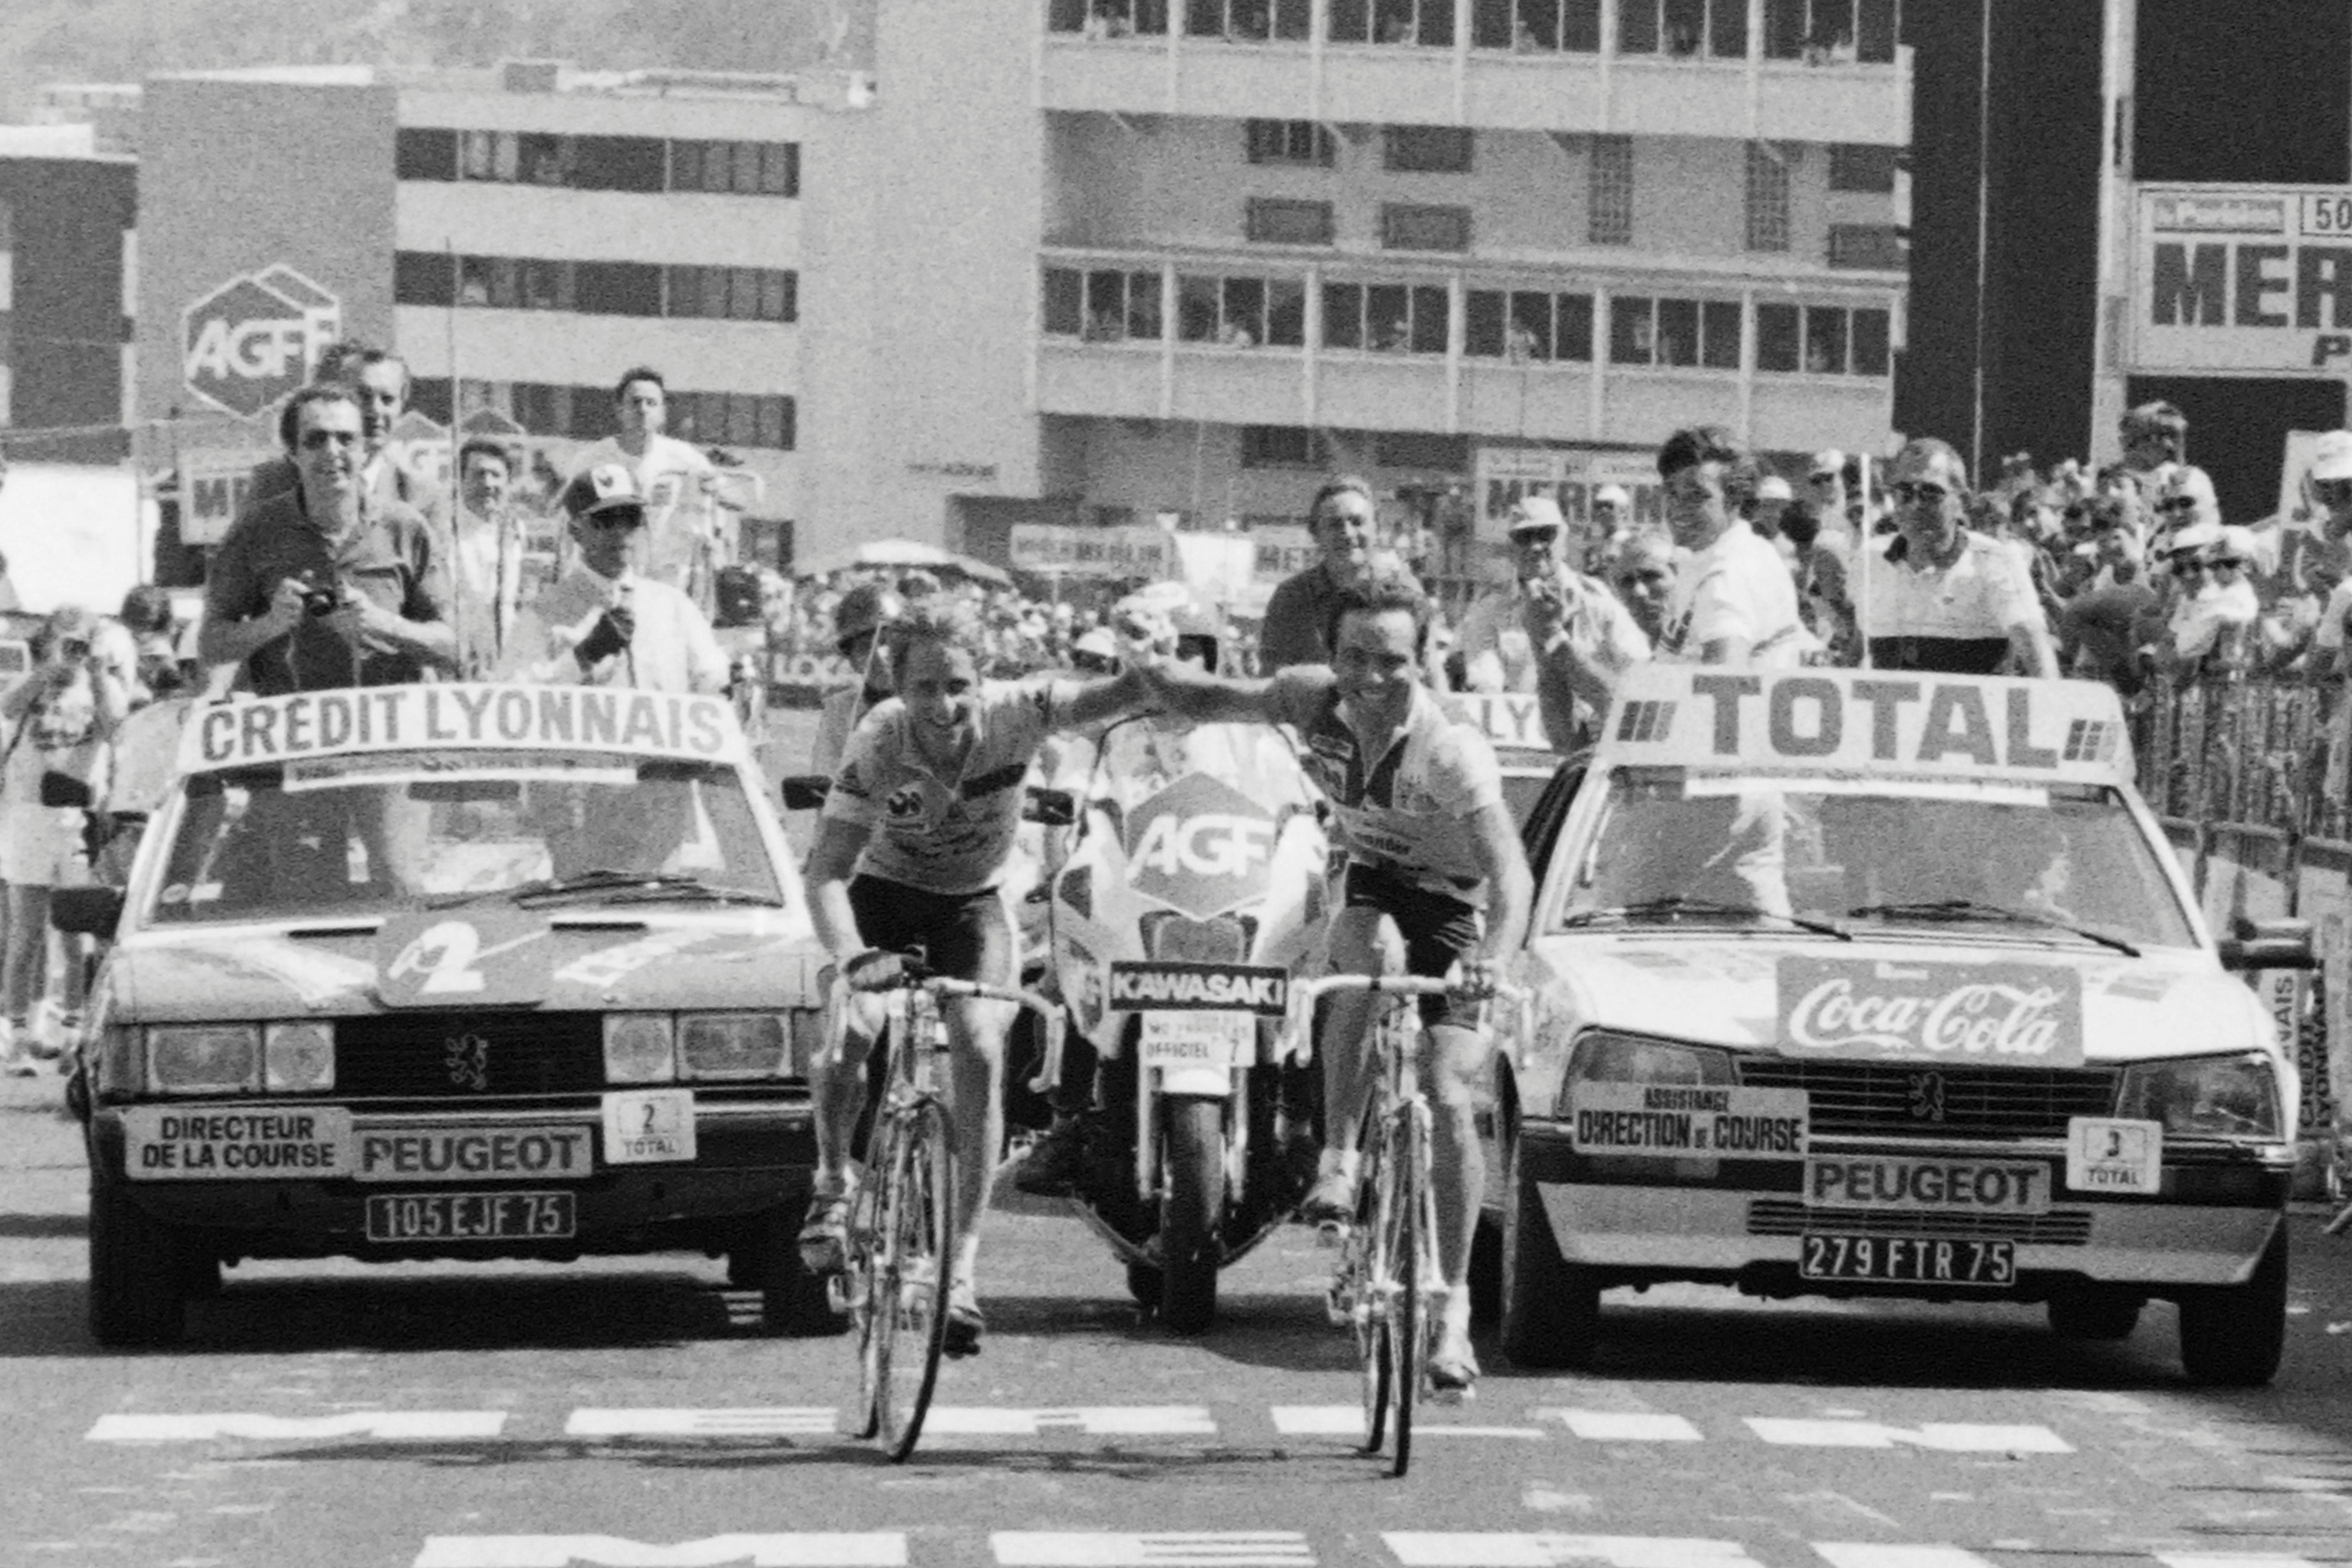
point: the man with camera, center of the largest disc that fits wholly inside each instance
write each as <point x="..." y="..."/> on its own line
<point x="326" y="585"/>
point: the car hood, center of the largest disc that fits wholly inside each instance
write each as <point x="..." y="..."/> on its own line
<point x="1741" y="991"/>
<point x="755" y="958"/>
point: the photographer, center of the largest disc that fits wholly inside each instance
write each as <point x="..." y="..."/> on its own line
<point x="60" y="719"/>
<point x="326" y="585"/>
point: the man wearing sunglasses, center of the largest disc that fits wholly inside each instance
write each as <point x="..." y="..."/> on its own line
<point x="1941" y="599"/>
<point x="2213" y="603"/>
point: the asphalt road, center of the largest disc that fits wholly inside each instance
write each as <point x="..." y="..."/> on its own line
<point x="628" y="1413"/>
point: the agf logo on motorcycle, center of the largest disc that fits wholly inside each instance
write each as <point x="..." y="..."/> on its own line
<point x="1200" y="846"/>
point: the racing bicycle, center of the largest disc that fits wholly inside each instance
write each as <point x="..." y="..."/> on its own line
<point x="1389" y="1288"/>
<point x="898" y="1259"/>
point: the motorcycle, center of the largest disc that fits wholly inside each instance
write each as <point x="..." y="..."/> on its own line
<point x="1189" y="889"/>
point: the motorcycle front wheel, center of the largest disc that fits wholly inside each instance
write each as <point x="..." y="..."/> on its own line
<point x="1192" y="1210"/>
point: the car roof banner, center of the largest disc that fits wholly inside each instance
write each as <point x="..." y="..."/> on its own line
<point x="258" y="731"/>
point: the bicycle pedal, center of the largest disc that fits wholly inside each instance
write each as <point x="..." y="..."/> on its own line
<point x="1331" y="1233"/>
<point x="1450" y="1396"/>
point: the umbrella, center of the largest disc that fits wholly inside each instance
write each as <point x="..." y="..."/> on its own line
<point x="903" y="552"/>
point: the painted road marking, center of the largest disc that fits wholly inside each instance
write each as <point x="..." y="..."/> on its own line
<point x="872" y="1548"/>
<point x="1944" y="1436"/>
<point x="379" y="1425"/>
<point x="1874" y="1554"/>
<point x="751" y="1421"/>
<point x="1626" y="1426"/>
<point x="1094" y="1420"/>
<point x="1318" y="1420"/>
<point x="2235" y="1560"/>
<point x="1167" y="1549"/>
<point x="1509" y="1549"/>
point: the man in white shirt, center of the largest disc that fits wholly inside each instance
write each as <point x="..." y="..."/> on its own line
<point x="1733" y="600"/>
<point x="486" y="557"/>
<point x="1495" y="653"/>
<point x="1941" y="599"/>
<point x="601" y="623"/>
<point x="683" y="534"/>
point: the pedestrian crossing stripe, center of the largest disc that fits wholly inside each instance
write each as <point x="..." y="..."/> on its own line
<point x="781" y="1421"/>
<point x="1943" y="1436"/>
<point x="1505" y="1549"/>
<point x="1626" y="1426"/>
<point x="1168" y="1548"/>
<point x="380" y="1426"/>
<point x="869" y="1549"/>
<point x="1094" y="1420"/>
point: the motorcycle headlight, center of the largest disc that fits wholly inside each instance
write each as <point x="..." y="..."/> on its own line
<point x="732" y="1045"/>
<point x="204" y="1058"/>
<point x="2206" y="1097"/>
<point x="638" y="1048"/>
<point x="298" y="1058"/>
<point x="1602" y="1056"/>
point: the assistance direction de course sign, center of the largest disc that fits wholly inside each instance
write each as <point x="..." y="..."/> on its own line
<point x="1687" y="1118"/>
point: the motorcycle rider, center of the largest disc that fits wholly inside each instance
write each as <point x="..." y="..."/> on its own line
<point x="1417" y="802"/>
<point x="910" y="851"/>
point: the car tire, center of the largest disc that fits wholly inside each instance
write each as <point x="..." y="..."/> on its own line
<point x="2095" y="1313"/>
<point x="1485" y="1273"/>
<point x="793" y="1301"/>
<point x="138" y="1274"/>
<point x="1143" y="1283"/>
<point x="2231" y="1336"/>
<point x="1550" y="1308"/>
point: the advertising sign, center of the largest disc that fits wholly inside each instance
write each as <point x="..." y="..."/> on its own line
<point x="1507" y="474"/>
<point x="2255" y="280"/>
<point x="256" y="338"/>
<point x="214" y="484"/>
<point x="1132" y="551"/>
<point x="2006" y="1015"/>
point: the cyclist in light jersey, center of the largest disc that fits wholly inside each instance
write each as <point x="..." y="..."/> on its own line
<point x="910" y="851"/>
<point x="1430" y="845"/>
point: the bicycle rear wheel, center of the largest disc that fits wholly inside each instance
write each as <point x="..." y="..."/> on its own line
<point x="904" y="1321"/>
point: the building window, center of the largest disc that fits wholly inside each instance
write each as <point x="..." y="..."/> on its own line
<point x="1527" y="325"/>
<point x="616" y="163"/>
<point x="1609" y="216"/>
<point x="1385" y="317"/>
<point x="733" y="419"/>
<point x="423" y="277"/>
<point x="1248" y="21"/>
<point x="1830" y="32"/>
<point x="1104" y="306"/>
<point x="1683" y="30"/>
<point x="1428" y="22"/>
<point x="1823" y="340"/>
<point x="1867" y="246"/>
<point x="1768" y="197"/>
<point x="423" y="152"/>
<point x="1858" y="167"/>
<point x="1107" y="18"/>
<point x="736" y="168"/>
<point x="1405" y="227"/>
<point x="1696" y="334"/>
<point x="1420" y="449"/>
<point x="1283" y="447"/>
<point x="619" y="288"/>
<point x="1242" y="312"/>
<point x="734" y="293"/>
<point x="1537" y="27"/>
<point x="1276" y="221"/>
<point x="1301" y="142"/>
<point x="1426" y="149"/>
<point x="595" y="288"/>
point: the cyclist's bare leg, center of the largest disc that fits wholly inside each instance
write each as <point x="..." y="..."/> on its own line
<point x="1358" y="946"/>
<point x="1453" y="1061"/>
<point x="837" y="1088"/>
<point x="976" y="1032"/>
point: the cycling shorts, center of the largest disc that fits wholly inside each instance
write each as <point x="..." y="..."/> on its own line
<point x="1438" y="932"/>
<point x="963" y="936"/>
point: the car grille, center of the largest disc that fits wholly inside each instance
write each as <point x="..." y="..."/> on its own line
<point x="1787" y="1217"/>
<point x="427" y="1055"/>
<point x="1939" y="1102"/>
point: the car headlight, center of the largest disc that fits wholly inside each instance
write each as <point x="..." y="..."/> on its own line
<point x="2206" y="1097"/>
<point x="732" y="1045"/>
<point x="1602" y="1056"/>
<point x="638" y="1048"/>
<point x="204" y="1058"/>
<point x="812" y="1031"/>
<point x="299" y="1057"/>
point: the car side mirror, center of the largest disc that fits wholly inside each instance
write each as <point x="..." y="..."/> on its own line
<point x="65" y="790"/>
<point x="1050" y="807"/>
<point x="86" y="911"/>
<point x="2282" y="943"/>
<point x="806" y="792"/>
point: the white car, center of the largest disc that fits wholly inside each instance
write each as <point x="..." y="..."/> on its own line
<point x="1866" y="984"/>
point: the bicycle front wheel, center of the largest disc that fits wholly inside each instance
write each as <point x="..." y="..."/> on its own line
<point x="1365" y="1272"/>
<point x="1410" y="1238"/>
<point x="903" y="1321"/>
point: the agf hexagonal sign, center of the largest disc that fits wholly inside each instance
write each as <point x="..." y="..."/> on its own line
<point x="250" y="342"/>
<point x="1200" y="846"/>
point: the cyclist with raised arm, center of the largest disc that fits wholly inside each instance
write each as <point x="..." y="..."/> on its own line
<point x="1418" y="800"/>
<point x="912" y="846"/>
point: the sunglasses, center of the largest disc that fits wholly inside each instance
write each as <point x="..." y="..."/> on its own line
<point x="2177" y="503"/>
<point x="2180" y="565"/>
<point x="319" y="440"/>
<point x="1910" y="491"/>
<point x="615" y="519"/>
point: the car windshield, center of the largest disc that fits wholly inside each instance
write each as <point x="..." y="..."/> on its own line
<point x="357" y="834"/>
<point x="2066" y="863"/>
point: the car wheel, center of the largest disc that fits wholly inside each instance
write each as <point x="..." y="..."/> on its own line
<point x="2095" y="1313"/>
<point x="1143" y="1283"/>
<point x="1485" y="1273"/>
<point x="137" y="1277"/>
<point x="2231" y="1336"/>
<point x="1551" y="1307"/>
<point x="792" y="1300"/>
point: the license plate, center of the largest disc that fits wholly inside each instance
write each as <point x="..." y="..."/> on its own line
<point x="1907" y="1261"/>
<point x="471" y="1216"/>
<point x="1198" y="1039"/>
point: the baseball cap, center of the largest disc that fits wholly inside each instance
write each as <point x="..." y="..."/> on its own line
<point x="2236" y="544"/>
<point x="1532" y="512"/>
<point x="1827" y="461"/>
<point x="864" y="608"/>
<point x="2196" y="538"/>
<point x="1611" y="494"/>
<point x="1772" y="487"/>
<point x="2331" y="455"/>
<point x="1096" y="644"/>
<point x="604" y="487"/>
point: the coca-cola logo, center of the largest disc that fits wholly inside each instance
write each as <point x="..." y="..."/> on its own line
<point x="1990" y="1014"/>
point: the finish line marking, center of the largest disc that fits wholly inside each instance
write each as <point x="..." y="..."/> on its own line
<point x="376" y="1426"/>
<point x="778" y="1421"/>
<point x="1943" y="1436"/>
<point x="874" y="1549"/>
<point x="1626" y="1426"/>
<point x="1093" y="1420"/>
<point x="1874" y="1554"/>
<point x="1507" y="1549"/>
<point x="1165" y="1548"/>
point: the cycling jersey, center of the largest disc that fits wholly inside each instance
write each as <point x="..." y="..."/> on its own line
<point x="944" y="834"/>
<point x="1407" y="808"/>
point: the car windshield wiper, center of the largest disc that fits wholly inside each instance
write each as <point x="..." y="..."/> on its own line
<point x="678" y="887"/>
<point x="1971" y="909"/>
<point x="634" y="888"/>
<point x="1677" y="904"/>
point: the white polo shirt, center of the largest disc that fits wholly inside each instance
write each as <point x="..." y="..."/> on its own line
<point x="1736" y="587"/>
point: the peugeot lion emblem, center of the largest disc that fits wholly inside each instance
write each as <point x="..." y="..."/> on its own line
<point x="1927" y="1097"/>
<point x="467" y="1057"/>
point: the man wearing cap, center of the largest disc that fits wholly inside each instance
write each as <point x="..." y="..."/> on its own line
<point x="1941" y="599"/>
<point x="601" y="623"/>
<point x="857" y="623"/>
<point x="1773" y="496"/>
<point x="1496" y="655"/>
<point x="1612" y="524"/>
<point x="2214" y="604"/>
